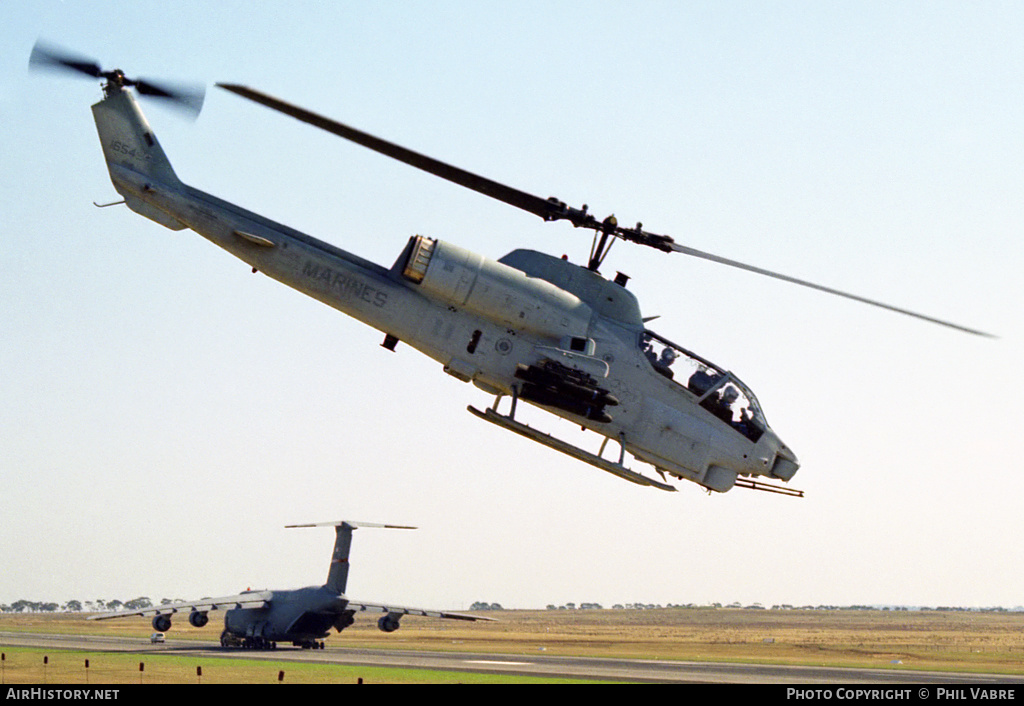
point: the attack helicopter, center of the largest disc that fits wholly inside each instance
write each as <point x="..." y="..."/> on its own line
<point x="528" y="326"/>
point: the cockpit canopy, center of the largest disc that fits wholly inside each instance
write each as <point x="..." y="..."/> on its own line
<point x="718" y="391"/>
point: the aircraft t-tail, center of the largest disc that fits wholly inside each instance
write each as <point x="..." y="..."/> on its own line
<point x="529" y="326"/>
<point x="303" y="617"/>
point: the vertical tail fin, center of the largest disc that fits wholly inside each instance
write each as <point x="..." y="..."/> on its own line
<point x="337" y="575"/>
<point x="128" y="140"/>
<point x="131" y="148"/>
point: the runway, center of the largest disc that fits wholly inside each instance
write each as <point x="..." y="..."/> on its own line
<point x="539" y="665"/>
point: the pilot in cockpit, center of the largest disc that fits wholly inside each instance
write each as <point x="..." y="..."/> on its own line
<point x="701" y="381"/>
<point x="729" y="396"/>
<point x="649" y="353"/>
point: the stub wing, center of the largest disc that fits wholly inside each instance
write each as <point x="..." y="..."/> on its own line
<point x="362" y="607"/>
<point x="249" y="599"/>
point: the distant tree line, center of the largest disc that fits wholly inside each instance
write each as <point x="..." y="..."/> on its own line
<point x="99" y="605"/>
<point x="141" y="603"/>
<point x="784" y="606"/>
<point x="483" y="605"/>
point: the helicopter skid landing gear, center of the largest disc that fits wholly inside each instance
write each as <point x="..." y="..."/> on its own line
<point x="551" y="442"/>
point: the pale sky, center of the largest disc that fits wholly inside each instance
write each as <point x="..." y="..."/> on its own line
<point x="164" y="412"/>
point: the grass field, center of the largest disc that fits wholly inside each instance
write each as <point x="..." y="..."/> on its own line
<point x="26" y="666"/>
<point x="954" y="641"/>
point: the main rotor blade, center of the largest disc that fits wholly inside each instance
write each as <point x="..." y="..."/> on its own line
<point x="548" y="209"/>
<point x="803" y="283"/>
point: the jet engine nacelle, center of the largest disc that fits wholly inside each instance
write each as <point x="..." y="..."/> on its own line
<point x="198" y="619"/>
<point x="493" y="290"/>
<point x="345" y="619"/>
<point x="162" y="623"/>
<point x="388" y="623"/>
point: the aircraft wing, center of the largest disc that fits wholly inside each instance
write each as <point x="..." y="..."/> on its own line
<point x="249" y="599"/>
<point x="362" y="607"/>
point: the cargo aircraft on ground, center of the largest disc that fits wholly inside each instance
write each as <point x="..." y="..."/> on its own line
<point x="303" y="616"/>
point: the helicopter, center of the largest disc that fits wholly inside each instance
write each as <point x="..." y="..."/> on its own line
<point x="530" y="327"/>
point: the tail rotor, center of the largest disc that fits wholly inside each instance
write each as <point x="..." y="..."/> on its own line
<point x="188" y="98"/>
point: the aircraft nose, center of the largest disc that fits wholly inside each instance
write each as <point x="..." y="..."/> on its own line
<point x="786" y="465"/>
